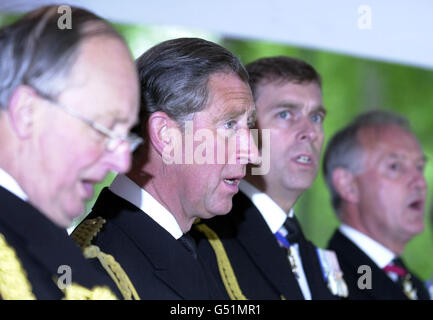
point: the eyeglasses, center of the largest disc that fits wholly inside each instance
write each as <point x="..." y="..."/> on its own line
<point x="114" y="139"/>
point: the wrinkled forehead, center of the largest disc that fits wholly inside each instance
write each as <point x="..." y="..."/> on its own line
<point x="229" y="95"/>
<point x="389" y="139"/>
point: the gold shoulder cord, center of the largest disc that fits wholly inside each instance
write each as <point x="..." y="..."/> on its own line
<point x="83" y="236"/>
<point x="14" y="284"/>
<point x="77" y="292"/>
<point x="225" y="268"/>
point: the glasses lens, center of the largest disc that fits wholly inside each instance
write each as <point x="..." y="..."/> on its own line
<point x="113" y="143"/>
<point x="134" y="142"/>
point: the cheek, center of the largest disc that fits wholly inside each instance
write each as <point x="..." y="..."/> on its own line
<point x="319" y="141"/>
<point x="77" y="158"/>
<point x="280" y="146"/>
<point x="382" y="195"/>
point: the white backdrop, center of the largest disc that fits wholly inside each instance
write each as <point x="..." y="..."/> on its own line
<point x="397" y="31"/>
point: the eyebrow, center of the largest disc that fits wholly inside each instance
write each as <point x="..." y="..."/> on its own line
<point x="297" y="106"/>
<point x="423" y="158"/>
<point x="236" y="113"/>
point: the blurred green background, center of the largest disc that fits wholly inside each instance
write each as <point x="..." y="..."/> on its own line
<point x="350" y="85"/>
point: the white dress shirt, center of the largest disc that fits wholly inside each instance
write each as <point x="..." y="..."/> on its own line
<point x="275" y="217"/>
<point x="128" y="190"/>
<point x="380" y="255"/>
<point x="10" y="184"/>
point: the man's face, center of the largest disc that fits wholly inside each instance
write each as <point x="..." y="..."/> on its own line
<point x="207" y="189"/>
<point x="68" y="155"/>
<point x="294" y="114"/>
<point x="392" y="187"/>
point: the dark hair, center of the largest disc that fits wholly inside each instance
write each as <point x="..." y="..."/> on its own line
<point x="345" y="151"/>
<point x="280" y="68"/>
<point x="34" y="51"/>
<point x="174" y="76"/>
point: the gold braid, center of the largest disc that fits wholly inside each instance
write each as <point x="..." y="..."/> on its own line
<point x="115" y="271"/>
<point x="83" y="235"/>
<point x="225" y="268"/>
<point x="14" y="284"/>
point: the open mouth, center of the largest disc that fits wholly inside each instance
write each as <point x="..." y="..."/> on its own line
<point x="417" y="205"/>
<point x="303" y="159"/>
<point x="232" y="181"/>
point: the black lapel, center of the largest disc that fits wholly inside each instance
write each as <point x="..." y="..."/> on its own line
<point x="256" y="238"/>
<point x="172" y="263"/>
<point x="312" y="269"/>
<point x="351" y="258"/>
<point x="47" y="243"/>
<point x="421" y="289"/>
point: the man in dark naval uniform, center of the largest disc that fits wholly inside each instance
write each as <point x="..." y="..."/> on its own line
<point x="374" y="168"/>
<point x="196" y="102"/>
<point x="258" y="250"/>
<point x="59" y="90"/>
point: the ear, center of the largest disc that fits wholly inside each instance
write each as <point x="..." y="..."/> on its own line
<point x="21" y="110"/>
<point x="163" y="132"/>
<point x="345" y="184"/>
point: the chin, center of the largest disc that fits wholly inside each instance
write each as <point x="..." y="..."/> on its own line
<point x="220" y="211"/>
<point x="73" y="212"/>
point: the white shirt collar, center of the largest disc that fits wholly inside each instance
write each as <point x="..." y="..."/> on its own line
<point x="377" y="252"/>
<point x="128" y="190"/>
<point x="271" y="212"/>
<point x="9" y="183"/>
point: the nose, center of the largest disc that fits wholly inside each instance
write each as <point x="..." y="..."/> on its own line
<point x="248" y="151"/>
<point x="418" y="180"/>
<point x="307" y="132"/>
<point x="119" y="160"/>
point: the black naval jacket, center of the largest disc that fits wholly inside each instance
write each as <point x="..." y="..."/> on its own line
<point x="259" y="263"/>
<point x="41" y="248"/>
<point x="158" y="265"/>
<point x="351" y="257"/>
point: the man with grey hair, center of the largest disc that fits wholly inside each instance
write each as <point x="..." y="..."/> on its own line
<point x="258" y="250"/>
<point x="191" y="88"/>
<point x="374" y="168"/>
<point x="65" y="114"/>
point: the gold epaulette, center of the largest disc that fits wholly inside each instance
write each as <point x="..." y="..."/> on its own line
<point x="86" y="231"/>
<point x="83" y="236"/>
<point x="224" y="266"/>
<point x="14" y="284"/>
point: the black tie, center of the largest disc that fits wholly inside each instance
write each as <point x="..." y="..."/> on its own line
<point x="189" y="244"/>
<point x="293" y="230"/>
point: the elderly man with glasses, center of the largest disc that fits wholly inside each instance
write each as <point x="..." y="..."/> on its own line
<point x="65" y="113"/>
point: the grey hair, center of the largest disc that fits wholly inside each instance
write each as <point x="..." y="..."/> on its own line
<point x="174" y="77"/>
<point x="345" y="151"/>
<point x="34" y="51"/>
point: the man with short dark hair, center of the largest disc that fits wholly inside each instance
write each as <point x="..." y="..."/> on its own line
<point x="374" y="168"/>
<point x="65" y="112"/>
<point x="258" y="250"/>
<point x="196" y="109"/>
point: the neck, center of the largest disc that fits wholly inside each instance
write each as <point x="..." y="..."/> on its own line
<point x="285" y="198"/>
<point x="372" y="230"/>
<point x="11" y="155"/>
<point x="158" y="181"/>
